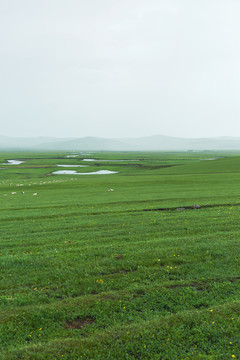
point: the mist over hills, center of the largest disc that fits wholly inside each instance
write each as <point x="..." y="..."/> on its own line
<point x="147" y="143"/>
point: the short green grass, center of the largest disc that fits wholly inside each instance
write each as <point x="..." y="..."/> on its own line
<point x="88" y="273"/>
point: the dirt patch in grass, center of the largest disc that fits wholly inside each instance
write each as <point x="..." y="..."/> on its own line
<point x="192" y="207"/>
<point x="139" y="293"/>
<point x="175" y="286"/>
<point x="200" y="287"/>
<point x="119" y="256"/>
<point x="120" y="271"/>
<point x="109" y="297"/>
<point x="197" y="286"/>
<point x="79" y="323"/>
<point x="234" y="279"/>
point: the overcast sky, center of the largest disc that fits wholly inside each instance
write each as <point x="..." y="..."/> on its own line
<point x="120" y="68"/>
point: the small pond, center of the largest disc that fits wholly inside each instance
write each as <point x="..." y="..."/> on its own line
<point x="73" y="172"/>
<point x="214" y="158"/>
<point x="72" y="165"/>
<point x="13" y="162"/>
<point x="109" y="160"/>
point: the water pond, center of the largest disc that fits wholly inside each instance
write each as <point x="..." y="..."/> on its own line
<point x="72" y="165"/>
<point x="13" y="162"/>
<point x="73" y="172"/>
<point x="109" y="160"/>
<point x="215" y="158"/>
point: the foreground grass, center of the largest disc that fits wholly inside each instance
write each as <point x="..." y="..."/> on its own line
<point x="92" y="274"/>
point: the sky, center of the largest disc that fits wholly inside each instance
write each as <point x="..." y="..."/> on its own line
<point x="111" y="68"/>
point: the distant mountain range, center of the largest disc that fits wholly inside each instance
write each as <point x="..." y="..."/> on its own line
<point x="148" y="143"/>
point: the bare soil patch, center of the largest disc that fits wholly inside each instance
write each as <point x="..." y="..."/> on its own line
<point x="79" y="323"/>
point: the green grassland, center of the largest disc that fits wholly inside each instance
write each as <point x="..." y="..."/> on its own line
<point x="134" y="273"/>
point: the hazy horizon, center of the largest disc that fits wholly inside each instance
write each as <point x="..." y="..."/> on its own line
<point x="122" y="137"/>
<point x="117" y="70"/>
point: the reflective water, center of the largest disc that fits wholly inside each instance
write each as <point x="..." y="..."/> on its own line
<point x="215" y="158"/>
<point x="73" y="172"/>
<point x="13" y="162"/>
<point x="72" y="165"/>
<point x="110" y="160"/>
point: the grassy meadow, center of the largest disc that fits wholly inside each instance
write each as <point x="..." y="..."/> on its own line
<point x="139" y="272"/>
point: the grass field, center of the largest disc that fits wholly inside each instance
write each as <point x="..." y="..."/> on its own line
<point x="134" y="273"/>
